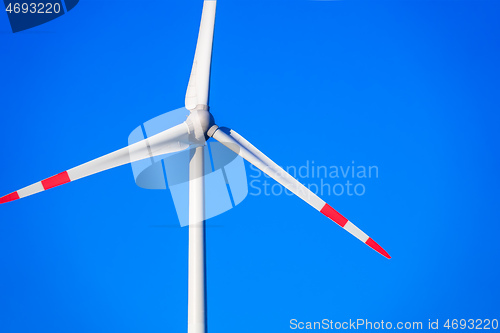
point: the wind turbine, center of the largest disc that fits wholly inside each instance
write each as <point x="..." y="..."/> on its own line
<point x="193" y="133"/>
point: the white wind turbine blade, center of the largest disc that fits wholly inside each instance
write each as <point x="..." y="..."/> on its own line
<point x="199" y="82"/>
<point x="245" y="149"/>
<point x="169" y="141"/>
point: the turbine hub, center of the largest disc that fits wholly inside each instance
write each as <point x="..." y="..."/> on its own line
<point x="199" y="122"/>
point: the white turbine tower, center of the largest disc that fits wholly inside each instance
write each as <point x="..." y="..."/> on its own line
<point x="193" y="133"/>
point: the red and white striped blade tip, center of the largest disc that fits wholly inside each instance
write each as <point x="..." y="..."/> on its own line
<point x="338" y="218"/>
<point x="9" y="198"/>
<point x="371" y="243"/>
<point x="46" y="184"/>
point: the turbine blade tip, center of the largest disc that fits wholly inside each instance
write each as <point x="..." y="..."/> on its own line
<point x="9" y="197"/>
<point x="371" y="243"/>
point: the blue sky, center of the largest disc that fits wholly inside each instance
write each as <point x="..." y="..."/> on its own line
<point x="408" y="86"/>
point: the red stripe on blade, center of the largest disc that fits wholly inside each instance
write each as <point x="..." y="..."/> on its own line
<point x="371" y="243"/>
<point x="56" y="180"/>
<point x="9" y="198"/>
<point x="332" y="214"/>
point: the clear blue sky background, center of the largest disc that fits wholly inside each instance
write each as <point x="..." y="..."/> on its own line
<point x="409" y="86"/>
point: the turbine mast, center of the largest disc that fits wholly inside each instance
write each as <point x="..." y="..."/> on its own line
<point x="196" y="285"/>
<point x="200" y="119"/>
